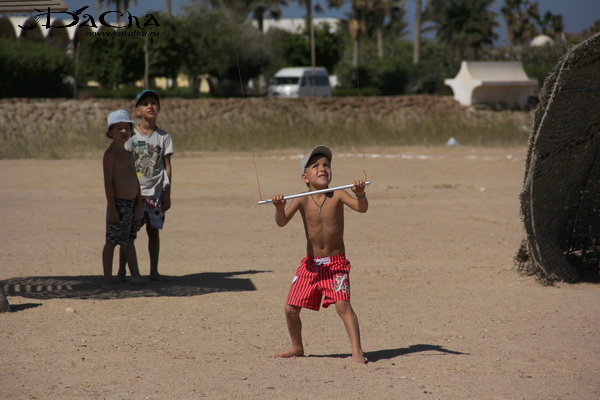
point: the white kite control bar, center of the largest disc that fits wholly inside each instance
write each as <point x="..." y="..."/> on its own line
<point x="293" y="196"/>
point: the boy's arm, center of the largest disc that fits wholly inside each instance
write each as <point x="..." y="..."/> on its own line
<point x="166" y="200"/>
<point x="283" y="215"/>
<point x="360" y="203"/>
<point x="139" y="206"/>
<point x="108" y="167"/>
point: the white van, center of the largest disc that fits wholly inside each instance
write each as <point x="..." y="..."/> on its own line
<point x="300" y="82"/>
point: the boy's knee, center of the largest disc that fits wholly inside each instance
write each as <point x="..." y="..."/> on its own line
<point x="291" y="311"/>
<point x="343" y="307"/>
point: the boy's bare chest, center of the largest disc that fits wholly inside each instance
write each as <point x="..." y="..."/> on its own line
<point x="124" y="162"/>
<point x="324" y="211"/>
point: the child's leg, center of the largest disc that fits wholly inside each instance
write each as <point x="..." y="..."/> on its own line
<point x="122" y="264"/>
<point x="123" y="249"/>
<point x="107" y="260"/>
<point x="294" y="324"/>
<point x="345" y="311"/>
<point x="131" y="258"/>
<point x="153" y="251"/>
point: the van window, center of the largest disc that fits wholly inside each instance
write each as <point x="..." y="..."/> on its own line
<point x="285" y="80"/>
<point x="319" y="80"/>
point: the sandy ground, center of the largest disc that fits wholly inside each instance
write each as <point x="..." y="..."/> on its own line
<point x="443" y="312"/>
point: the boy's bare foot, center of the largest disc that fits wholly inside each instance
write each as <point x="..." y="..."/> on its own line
<point x="159" y="278"/>
<point x="291" y="353"/>
<point x="120" y="279"/>
<point x="359" y="358"/>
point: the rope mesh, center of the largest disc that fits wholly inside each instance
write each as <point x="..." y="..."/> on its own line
<point x="561" y="189"/>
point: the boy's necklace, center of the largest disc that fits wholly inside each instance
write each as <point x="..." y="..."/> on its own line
<point x="317" y="204"/>
<point x="143" y="131"/>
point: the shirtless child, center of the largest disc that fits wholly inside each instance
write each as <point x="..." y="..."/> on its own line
<point x="324" y="272"/>
<point x="123" y="197"/>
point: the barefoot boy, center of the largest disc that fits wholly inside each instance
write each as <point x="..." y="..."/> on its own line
<point x="123" y="197"/>
<point x="324" y="272"/>
<point x="152" y="148"/>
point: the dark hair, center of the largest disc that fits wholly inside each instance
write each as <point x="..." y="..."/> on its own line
<point x="144" y="93"/>
<point x="131" y="127"/>
<point x="316" y="156"/>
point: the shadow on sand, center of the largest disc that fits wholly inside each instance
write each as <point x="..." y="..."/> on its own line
<point x="388" y="354"/>
<point x="90" y="286"/>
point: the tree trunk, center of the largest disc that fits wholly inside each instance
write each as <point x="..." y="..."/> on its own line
<point x="417" y="34"/>
<point x="380" y="43"/>
<point x="354" y="31"/>
<point x="120" y="9"/>
<point x="146" y="64"/>
<point x="355" y="53"/>
<point x="194" y="82"/>
<point x="261" y="24"/>
<point x="76" y="66"/>
<point x="310" y="25"/>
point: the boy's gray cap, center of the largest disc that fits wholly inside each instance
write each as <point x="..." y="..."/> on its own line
<point x="320" y="149"/>
<point x="145" y="93"/>
<point x="118" y="116"/>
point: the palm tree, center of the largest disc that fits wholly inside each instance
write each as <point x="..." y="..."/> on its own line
<point x="552" y="25"/>
<point x="520" y="16"/>
<point x="593" y="29"/>
<point x="309" y="22"/>
<point x="242" y="8"/>
<point x="417" y="33"/>
<point x="382" y="15"/>
<point x="121" y="5"/>
<point x="357" y="28"/>
<point x="264" y="7"/>
<point x="463" y="24"/>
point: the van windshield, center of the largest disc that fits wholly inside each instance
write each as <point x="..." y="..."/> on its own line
<point x="285" y="80"/>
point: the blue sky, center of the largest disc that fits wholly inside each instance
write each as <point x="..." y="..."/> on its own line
<point x="577" y="14"/>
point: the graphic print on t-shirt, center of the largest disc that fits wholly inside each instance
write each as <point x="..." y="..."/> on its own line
<point x="147" y="157"/>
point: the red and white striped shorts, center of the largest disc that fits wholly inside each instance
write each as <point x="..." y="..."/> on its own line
<point x="315" y="278"/>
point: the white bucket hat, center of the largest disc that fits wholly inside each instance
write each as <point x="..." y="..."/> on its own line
<point x="118" y="116"/>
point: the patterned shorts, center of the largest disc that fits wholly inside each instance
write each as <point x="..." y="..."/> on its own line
<point x="124" y="230"/>
<point x="152" y="213"/>
<point x="318" y="278"/>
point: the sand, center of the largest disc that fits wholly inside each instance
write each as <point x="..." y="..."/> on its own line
<point x="443" y="311"/>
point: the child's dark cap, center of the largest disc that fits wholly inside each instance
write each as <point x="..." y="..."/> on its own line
<point x="145" y="93"/>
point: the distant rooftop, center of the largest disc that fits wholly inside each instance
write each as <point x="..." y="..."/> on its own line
<point x="29" y="6"/>
<point x="295" y="25"/>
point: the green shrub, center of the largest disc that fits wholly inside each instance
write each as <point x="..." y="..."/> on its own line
<point x="111" y="61"/>
<point x="389" y="76"/>
<point x="29" y="69"/>
<point x="360" y="91"/>
<point x="129" y="92"/>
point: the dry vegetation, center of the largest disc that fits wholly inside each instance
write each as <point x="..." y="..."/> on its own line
<point x="43" y="128"/>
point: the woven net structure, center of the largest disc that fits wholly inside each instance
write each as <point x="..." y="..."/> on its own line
<point x="560" y="198"/>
